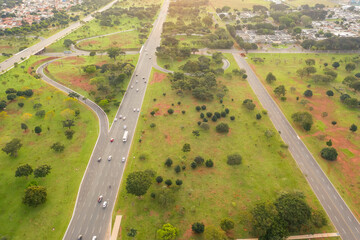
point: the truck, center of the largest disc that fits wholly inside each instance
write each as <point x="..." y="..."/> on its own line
<point x="126" y="133"/>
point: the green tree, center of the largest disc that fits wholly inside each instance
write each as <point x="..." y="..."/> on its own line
<point x="34" y="196"/>
<point x="178" y="182"/>
<point x="42" y="171"/>
<point x="168" y="182"/>
<point x="262" y="217"/>
<point x="113" y="52"/>
<point x="304" y="119"/>
<point x="248" y="103"/>
<point x="350" y="67"/>
<point x="329" y="153"/>
<point x="58" y="147"/>
<point x="69" y="133"/>
<point x="168" y="162"/>
<point x="68" y="123"/>
<point x="67" y="43"/>
<point x="159" y="179"/>
<point x="280" y="90"/>
<point x="293" y="210"/>
<point x="212" y="233"/>
<point x="330" y="93"/>
<point x="198" y="227"/>
<point x="227" y="224"/>
<point x="270" y="78"/>
<point x="23" y="170"/>
<point x="336" y="65"/>
<point x="234" y="159"/>
<point x="167" y="232"/>
<point x="12" y="147"/>
<point x="165" y="197"/>
<point x="353" y="128"/>
<point x="277" y="231"/>
<point x="38" y="129"/>
<point x="137" y="183"/>
<point x="209" y="163"/>
<point x="308" y="93"/>
<point x="24" y="127"/>
<point x="208" y="21"/>
<point x="310" y="62"/>
<point x="318" y="218"/>
<point x="186" y="147"/>
<point x="199" y="160"/>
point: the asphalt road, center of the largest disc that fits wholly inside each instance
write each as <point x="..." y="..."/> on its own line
<point x="336" y="208"/>
<point x="103" y="178"/>
<point x="18" y="57"/>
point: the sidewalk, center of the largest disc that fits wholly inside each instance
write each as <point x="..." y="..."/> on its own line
<point x="116" y="228"/>
<point x="309" y="236"/>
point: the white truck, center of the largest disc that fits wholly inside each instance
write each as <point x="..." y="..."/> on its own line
<point x="126" y="133"/>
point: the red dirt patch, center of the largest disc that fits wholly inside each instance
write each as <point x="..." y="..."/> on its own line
<point x="75" y="60"/>
<point x="163" y="107"/>
<point x="158" y="77"/>
<point x="4" y="47"/>
<point x="78" y="81"/>
<point x="89" y="42"/>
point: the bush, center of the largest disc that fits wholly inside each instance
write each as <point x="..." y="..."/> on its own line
<point x="202" y="115"/>
<point x="209" y="163"/>
<point x="203" y="107"/>
<point x="226" y="224"/>
<point x="38" y="129"/>
<point x="198" y="108"/>
<point x="177" y="169"/>
<point x="258" y="116"/>
<point x="168" y="162"/>
<point x="222" y="128"/>
<point x="152" y="125"/>
<point x="227" y="110"/>
<point x="330" y="93"/>
<point x="20" y="104"/>
<point x="198" y="227"/>
<point x="329" y="153"/>
<point x="232" y="118"/>
<point x="199" y="160"/>
<point x="318" y="218"/>
<point x="308" y="93"/>
<point x="159" y="179"/>
<point x="205" y="120"/>
<point x="223" y="114"/>
<point x="152" y="195"/>
<point x="205" y="126"/>
<point x="183" y="111"/>
<point x="193" y="165"/>
<point x="214" y="118"/>
<point x="334" y="123"/>
<point x="234" y="159"/>
<point x="170" y="111"/>
<point x="209" y="114"/>
<point x="58" y="147"/>
<point x="179" y="182"/>
<point x="353" y="128"/>
<point x="143" y="157"/>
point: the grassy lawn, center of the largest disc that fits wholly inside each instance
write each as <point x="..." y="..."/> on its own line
<point x="125" y="40"/>
<point x="190" y="41"/>
<point x="344" y="173"/>
<point x="12" y="45"/>
<point x="48" y="221"/>
<point x="238" y="4"/>
<point x="207" y="194"/>
<point x="68" y="71"/>
<point x="297" y="3"/>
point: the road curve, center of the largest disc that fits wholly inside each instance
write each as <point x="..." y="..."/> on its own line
<point x="336" y="208"/>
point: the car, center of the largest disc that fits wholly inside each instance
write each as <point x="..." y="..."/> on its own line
<point x="94" y="238"/>
<point x="111" y="139"/>
<point x="136" y="75"/>
<point x="124" y="127"/>
<point x="99" y="159"/>
<point x="134" y="109"/>
<point x="149" y="57"/>
<point x="79" y="237"/>
<point x="145" y="81"/>
<point x="100" y="198"/>
<point x="105" y="204"/>
<point x="115" y="119"/>
<point x="123" y="159"/>
<point x="124" y="118"/>
<point x="138" y="109"/>
<point x="136" y="81"/>
<point x="120" y="117"/>
<point x="132" y="86"/>
<point x="144" y="78"/>
<point x="137" y="89"/>
<point x="109" y="158"/>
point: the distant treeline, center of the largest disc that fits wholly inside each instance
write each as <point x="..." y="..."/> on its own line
<point x="334" y="43"/>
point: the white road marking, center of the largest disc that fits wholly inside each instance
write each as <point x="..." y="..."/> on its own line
<point x="349" y="218"/>
<point x="329" y="206"/>
<point x="341" y="207"/>
<point x="335" y="196"/>
<point x="336" y="219"/>
<point x="72" y="231"/>
<point x="323" y="179"/>
<point x="328" y="187"/>
<point x="357" y="229"/>
<point x="343" y="230"/>
<point x="87" y="228"/>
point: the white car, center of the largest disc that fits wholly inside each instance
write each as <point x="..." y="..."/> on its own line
<point x="99" y="159"/>
<point x="123" y="159"/>
<point x="94" y="238"/>
<point x="138" y="110"/>
<point x="124" y="127"/>
<point x="105" y="204"/>
<point x="134" y="109"/>
<point x="115" y="119"/>
<point x="137" y="89"/>
<point x="124" y="118"/>
<point x="132" y="86"/>
<point x="109" y="158"/>
<point x="120" y="116"/>
<point x="136" y="81"/>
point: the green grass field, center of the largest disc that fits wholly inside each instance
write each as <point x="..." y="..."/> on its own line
<point x="48" y="221"/>
<point x="12" y="45"/>
<point x="207" y="195"/>
<point x="176" y="64"/>
<point x="344" y="173"/>
<point x="68" y="71"/>
<point x="238" y="4"/>
<point x="125" y="40"/>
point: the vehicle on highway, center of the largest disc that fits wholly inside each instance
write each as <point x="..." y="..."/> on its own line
<point x="123" y="159"/>
<point x="124" y="127"/>
<point x="79" y="237"/>
<point x="120" y="117"/>
<point x="132" y="86"/>
<point x="149" y="57"/>
<point x="134" y="109"/>
<point x="111" y="139"/>
<point x="138" y="109"/>
<point x="144" y="78"/>
<point x="115" y="119"/>
<point x="100" y="198"/>
<point x="137" y="89"/>
<point x="125" y="137"/>
<point x="124" y="118"/>
<point x="94" y="238"/>
<point x="105" y="204"/>
<point x="99" y="159"/>
<point x="109" y="158"/>
<point x="136" y="75"/>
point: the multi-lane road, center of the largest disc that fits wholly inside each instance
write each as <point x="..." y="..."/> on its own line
<point x="339" y="213"/>
<point x="18" y="57"/>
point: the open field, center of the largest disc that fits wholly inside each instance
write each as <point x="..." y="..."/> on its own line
<point x="125" y="40"/>
<point x="344" y="172"/>
<point x="69" y="72"/>
<point x="238" y="4"/>
<point x="50" y="220"/>
<point x="207" y="194"/>
<point x="297" y="3"/>
<point x="12" y="45"/>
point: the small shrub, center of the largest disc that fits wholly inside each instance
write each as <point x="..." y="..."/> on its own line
<point x="223" y="114"/>
<point x="152" y="195"/>
<point x="222" y="128"/>
<point x="177" y="169"/>
<point x="202" y="115"/>
<point x="214" y="118"/>
<point x="168" y="162"/>
<point x="232" y="118"/>
<point x="198" y="108"/>
<point x="179" y="182"/>
<point x="159" y="179"/>
<point x="209" y="114"/>
<point x="168" y="182"/>
<point x="199" y="160"/>
<point x="170" y="111"/>
<point x="20" y="104"/>
<point x="209" y="163"/>
<point x="152" y="125"/>
<point x="203" y="107"/>
<point x="330" y="93"/>
<point x="193" y="165"/>
<point x="198" y="227"/>
<point x="234" y="159"/>
<point x="334" y="123"/>
<point x="205" y="126"/>
<point x="308" y="93"/>
<point x="258" y="116"/>
<point x="227" y="110"/>
<point x="183" y="112"/>
<point x="217" y="114"/>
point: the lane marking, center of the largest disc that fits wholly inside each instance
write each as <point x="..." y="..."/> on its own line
<point x="329" y="206"/>
<point x="341" y="207"/>
<point x="343" y="230"/>
<point x="357" y="229"/>
<point x="349" y="218"/>
<point x="336" y="219"/>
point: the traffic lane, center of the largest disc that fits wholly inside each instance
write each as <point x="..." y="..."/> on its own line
<point x="277" y="120"/>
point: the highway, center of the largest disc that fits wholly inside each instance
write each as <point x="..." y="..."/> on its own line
<point x="336" y="208"/>
<point x="18" y="57"/>
<point x="103" y="178"/>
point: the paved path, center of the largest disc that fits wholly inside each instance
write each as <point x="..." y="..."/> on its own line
<point x="280" y="50"/>
<point x="116" y="229"/>
<point x="336" y="208"/>
<point x="309" y="236"/>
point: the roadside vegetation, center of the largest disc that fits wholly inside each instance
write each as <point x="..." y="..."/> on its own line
<point x="318" y="93"/>
<point x="217" y="147"/>
<point x="45" y="142"/>
<point x="99" y="78"/>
